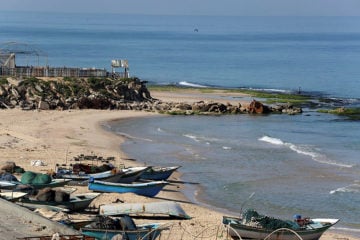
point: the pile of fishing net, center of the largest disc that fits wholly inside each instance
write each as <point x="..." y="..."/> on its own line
<point x="123" y="222"/>
<point x="29" y="177"/>
<point x="253" y="218"/>
<point x="79" y="167"/>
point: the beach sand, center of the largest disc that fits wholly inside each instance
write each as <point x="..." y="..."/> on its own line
<point x="55" y="137"/>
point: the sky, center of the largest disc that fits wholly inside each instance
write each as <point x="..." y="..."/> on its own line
<point x="192" y="7"/>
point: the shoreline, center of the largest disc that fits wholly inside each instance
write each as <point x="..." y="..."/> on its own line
<point x="56" y="136"/>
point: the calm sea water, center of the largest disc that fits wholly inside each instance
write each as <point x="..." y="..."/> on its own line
<point x="306" y="164"/>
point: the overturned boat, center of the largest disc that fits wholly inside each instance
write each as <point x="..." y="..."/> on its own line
<point x="167" y="208"/>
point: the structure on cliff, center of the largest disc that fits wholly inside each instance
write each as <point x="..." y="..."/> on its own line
<point x="10" y="51"/>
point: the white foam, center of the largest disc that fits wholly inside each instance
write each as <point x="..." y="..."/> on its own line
<point x="184" y="83"/>
<point x="193" y="137"/>
<point x="352" y="188"/>
<point x="133" y="137"/>
<point x="226" y="148"/>
<point x="271" y="90"/>
<point x="207" y="140"/>
<point x="271" y="140"/>
<point x="304" y="150"/>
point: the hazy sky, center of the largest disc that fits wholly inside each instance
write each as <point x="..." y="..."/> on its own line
<point x="193" y="7"/>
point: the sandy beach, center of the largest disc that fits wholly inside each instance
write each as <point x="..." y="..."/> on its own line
<point x="55" y="137"/>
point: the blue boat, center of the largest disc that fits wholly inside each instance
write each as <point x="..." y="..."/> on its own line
<point x="105" y="228"/>
<point x="159" y="173"/>
<point x="148" y="189"/>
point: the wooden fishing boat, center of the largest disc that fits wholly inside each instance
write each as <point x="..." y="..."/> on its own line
<point x="148" y="189"/>
<point x="12" y="196"/>
<point x="124" y="227"/>
<point x="263" y="227"/>
<point x="52" y="184"/>
<point x="77" y="202"/>
<point x="159" y="173"/>
<point x="17" y="184"/>
<point x="125" y="175"/>
<point x="8" y="184"/>
<point x="168" y="208"/>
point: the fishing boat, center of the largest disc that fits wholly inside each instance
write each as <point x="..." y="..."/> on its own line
<point x="148" y="189"/>
<point x="12" y="196"/>
<point x="254" y="226"/>
<point x="125" y="175"/>
<point x="159" y="173"/>
<point x="106" y="228"/>
<point x="17" y="184"/>
<point x="77" y="202"/>
<point x="52" y="184"/>
<point x="8" y="184"/>
<point x="167" y="208"/>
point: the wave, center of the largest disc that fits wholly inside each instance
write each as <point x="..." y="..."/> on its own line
<point x="226" y="148"/>
<point x="128" y="136"/>
<point x="271" y="140"/>
<point x="275" y="90"/>
<point x="304" y="150"/>
<point x="352" y="188"/>
<point x="201" y="138"/>
<point x="354" y="230"/>
<point x="184" y="83"/>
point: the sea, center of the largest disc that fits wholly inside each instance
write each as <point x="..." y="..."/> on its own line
<point x="278" y="164"/>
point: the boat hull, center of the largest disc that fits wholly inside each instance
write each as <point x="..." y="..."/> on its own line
<point x="127" y="175"/>
<point x="77" y="202"/>
<point x="237" y="229"/>
<point x="53" y="183"/>
<point x="106" y="234"/>
<point x="161" y="173"/>
<point x="148" y="189"/>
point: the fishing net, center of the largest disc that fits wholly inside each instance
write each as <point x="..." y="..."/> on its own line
<point x="252" y="217"/>
<point x="29" y="177"/>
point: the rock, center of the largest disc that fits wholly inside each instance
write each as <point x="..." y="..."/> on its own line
<point x="43" y="105"/>
<point x="258" y="107"/>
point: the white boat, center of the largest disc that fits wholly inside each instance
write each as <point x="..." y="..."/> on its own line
<point x="12" y="196"/>
<point x="254" y="226"/>
<point x="125" y="175"/>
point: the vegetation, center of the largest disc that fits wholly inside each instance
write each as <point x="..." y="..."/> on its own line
<point x="351" y="113"/>
<point x="3" y="81"/>
<point x="270" y="97"/>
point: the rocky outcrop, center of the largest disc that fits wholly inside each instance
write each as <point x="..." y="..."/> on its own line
<point x="97" y="93"/>
<point x="103" y="93"/>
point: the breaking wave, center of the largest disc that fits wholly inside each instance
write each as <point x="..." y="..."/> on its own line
<point x="352" y="188"/>
<point x="304" y="150"/>
<point x="184" y="83"/>
<point x="128" y="136"/>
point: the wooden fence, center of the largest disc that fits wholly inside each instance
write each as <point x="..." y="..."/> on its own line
<point x="28" y="71"/>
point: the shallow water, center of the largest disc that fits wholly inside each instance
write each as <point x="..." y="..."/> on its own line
<point x="304" y="164"/>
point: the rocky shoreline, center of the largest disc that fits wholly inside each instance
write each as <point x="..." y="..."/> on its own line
<point x="102" y="93"/>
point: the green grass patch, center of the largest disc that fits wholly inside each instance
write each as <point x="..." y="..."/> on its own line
<point x="351" y="113"/>
<point x="3" y="81"/>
